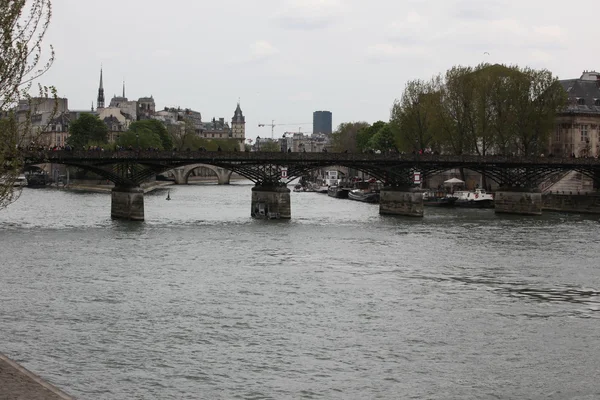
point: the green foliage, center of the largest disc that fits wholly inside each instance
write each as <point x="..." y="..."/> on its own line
<point x="412" y="116"/>
<point x="141" y="139"/>
<point x="86" y="129"/>
<point x="23" y="25"/>
<point x="157" y="127"/>
<point x="384" y="139"/>
<point x="365" y="134"/>
<point x="475" y="110"/>
<point x="345" y="136"/>
<point x="270" y="146"/>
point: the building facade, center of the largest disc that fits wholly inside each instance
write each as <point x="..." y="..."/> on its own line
<point x="322" y="122"/>
<point x="238" y="126"/>
<point x="577" y="128"/>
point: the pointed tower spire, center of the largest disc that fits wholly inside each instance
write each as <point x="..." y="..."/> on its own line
<point x="100" y="101"/>
<point x="123" y="88"/>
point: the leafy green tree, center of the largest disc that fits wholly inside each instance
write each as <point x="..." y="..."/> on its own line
<point x="157" y="127"/>
<point x="365" y="134"/>
<point x="23" y="25"/>
<point x="140" y="139"/>
<point x="384" y="140"/>
<point x="538" y="97"/>
<point x="183" y="136"/>
<point x="270" y="146"/>
<point x="345" y="136"/>
<point x="86" y="129"/>
<point x="412" y="117"/>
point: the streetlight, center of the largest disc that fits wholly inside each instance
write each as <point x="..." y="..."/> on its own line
<point x="258" y="143"/>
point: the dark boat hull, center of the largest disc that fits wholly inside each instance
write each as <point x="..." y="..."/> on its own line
<point x="338" y="193"/>
<point x="364" y="197"/>
<point x="36" y="181"/>
<point x="475" y="204"/>
<point x="442" y="202"/>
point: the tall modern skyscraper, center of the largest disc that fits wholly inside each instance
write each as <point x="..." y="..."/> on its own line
<point x="322" y="122"/>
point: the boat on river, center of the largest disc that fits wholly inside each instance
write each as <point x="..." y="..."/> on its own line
<point x="365" y="195"/>
<point x="477" y="198"/>
<point x="20" y="181"/>
<point x="437" y="199"/>
<point x="337" y="192"/>
<point x="299" y="188"/>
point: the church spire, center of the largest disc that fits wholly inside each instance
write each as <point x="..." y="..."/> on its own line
<point x="100" y="101"/>
<point x="123" y="88"/>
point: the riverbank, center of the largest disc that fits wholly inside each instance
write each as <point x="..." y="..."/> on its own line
<point x="16" y="382"/>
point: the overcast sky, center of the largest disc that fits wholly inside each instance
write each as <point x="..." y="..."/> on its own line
<point x="285" y="59"/>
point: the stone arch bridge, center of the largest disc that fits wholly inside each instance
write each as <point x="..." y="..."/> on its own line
<point x="517" y="176"/>
<point x="182" y="174"/>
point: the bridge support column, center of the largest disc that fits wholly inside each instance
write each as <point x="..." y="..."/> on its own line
<point x="522" y="201"/>
<point x="127" y="203"/>
<point x="179" y="175"/>
<point x="271" y="202"/>
<point x="223" y="176"/>
<point x="405" y="200"/>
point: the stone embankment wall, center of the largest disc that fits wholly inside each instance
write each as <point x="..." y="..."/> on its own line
<point x="518" y="202"/>
<point x="580" y="203"/>
<point x="18" y="383"/>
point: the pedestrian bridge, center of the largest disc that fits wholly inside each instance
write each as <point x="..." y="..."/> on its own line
<point x="517" y="176"/>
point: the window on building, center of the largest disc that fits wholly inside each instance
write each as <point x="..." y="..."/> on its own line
<point x="584" y="133"/>
<point x="597" y="102"/>
<point x="581" y="101"/>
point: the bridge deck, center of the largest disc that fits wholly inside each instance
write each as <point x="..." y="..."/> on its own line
<point x="292" y="158"/>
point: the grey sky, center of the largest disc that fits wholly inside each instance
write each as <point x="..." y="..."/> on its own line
<point x="286" y="59"/>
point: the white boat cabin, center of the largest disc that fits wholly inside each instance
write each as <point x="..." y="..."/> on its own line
<point x="468" y="195"/>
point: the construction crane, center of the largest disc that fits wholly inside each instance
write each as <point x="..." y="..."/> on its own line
<point x="273" y="125"/>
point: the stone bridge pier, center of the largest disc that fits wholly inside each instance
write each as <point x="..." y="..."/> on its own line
<point x="516" y="200"/>
<point x="271" y="201"/>
<point x="401" y="200"/>
<point x="127" y="202"/>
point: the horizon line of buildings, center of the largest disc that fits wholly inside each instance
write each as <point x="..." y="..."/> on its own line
<point x="50" y="119"/>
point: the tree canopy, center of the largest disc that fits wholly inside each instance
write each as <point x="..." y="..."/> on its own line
<point x="86" y="130"/>
<point x="23" y="25"/>
<point x="345" y="137"/>
<point x="269" y="145"/>
<point x="478" y="110"/>
<point x="154" y="126"/>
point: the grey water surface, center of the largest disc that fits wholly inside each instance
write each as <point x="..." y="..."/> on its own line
<point x="202" y="302"/>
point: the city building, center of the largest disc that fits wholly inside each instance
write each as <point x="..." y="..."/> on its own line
<point x="301" y="142"/>
<point x="145" y="107"/>
<point x="577" y="127"/>
<point x="238" y="126"/>
<point x="39" y="118"/>
<point x="216" y="129"/>
<point x="322" y="122"/>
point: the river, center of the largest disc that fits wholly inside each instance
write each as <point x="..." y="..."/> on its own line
<point x="202" y="302"/>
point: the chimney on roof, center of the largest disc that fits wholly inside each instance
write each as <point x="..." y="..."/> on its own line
<point x="590" y="76"/>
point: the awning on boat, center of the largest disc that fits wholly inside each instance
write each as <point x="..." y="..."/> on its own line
<point x="453" y="181"/>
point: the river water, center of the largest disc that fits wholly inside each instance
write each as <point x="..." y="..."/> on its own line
<point x="202" y="302"/>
